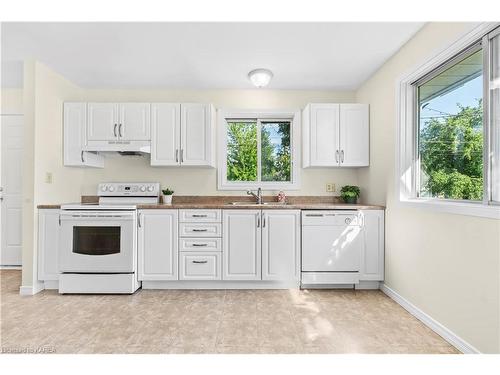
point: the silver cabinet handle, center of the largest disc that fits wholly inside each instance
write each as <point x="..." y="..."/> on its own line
<point x="337" y="156"/>
<point x="177" y="155"/>
<point x="258" y="221"/>
<point x="83" y="160"/>
<point x="59" y="220"/>
<point x="139" y="220"/>
<point x="263" y="220"/>
<point x="196" y="215"/>
<point x="200" y="245"/>
<point x="199" y="230"/>
<point x="200" y="261"/>
<point x="342" y="156"/>
<point x="114" y="129"/>
<point x="120" y="130"/>
<point x="182" y="155"/>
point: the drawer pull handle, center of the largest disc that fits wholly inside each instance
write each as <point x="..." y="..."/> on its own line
<point x="195" y="215"/>
<point x="200" y="230"/>
<point x="200" y="244"/>
<point x="200" y="261"/>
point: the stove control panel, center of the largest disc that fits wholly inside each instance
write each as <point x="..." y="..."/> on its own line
<point x="126" y="189"/>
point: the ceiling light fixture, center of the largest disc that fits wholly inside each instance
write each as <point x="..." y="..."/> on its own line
<point x="260" y="77"/>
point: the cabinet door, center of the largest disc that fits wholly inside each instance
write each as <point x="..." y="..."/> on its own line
<point x="134" y="124"/>
<point x="241" y="245"/>
<point x="324" y="135"/>
<point x="102" y="122"/>
<point x="165" y="133"/>
<point x="280" y="244"/>
<point x="354" y="135"/>
<point x="48" y="244"/>
<point x="372" y="256"/>
<point x="75" y="122"/>
<point x="196" y="134"/>
<point x="158" y="258"/>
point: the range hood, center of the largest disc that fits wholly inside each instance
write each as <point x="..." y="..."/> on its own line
<point x="125" y="148"/>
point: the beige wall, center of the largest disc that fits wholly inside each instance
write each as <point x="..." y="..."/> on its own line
<point x="193" y="181"/>
<point x="446" y="265"/>
<point x="44" y="94"/>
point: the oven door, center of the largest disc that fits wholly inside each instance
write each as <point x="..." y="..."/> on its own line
<point x="97" y="241"/>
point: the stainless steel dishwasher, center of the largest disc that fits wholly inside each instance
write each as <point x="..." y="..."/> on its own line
<point x="332" y="242"/>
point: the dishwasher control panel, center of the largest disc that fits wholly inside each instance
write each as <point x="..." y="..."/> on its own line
<point x="335" y="218"/>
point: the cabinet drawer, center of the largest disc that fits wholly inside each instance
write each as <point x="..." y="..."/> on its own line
<point x="200" y="244"/>
<point x="200" y="230"/>
<point x="200" y="216"/>
<point x="200" y="266"/>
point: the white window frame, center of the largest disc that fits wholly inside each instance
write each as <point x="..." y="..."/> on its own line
<point x="406" y="151"/>
<point x="223" y="115"/>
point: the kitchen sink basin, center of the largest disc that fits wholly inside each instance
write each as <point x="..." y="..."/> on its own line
<point x="256" y="204"/>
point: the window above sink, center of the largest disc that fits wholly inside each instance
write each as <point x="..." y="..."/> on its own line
<point x="258" y="149"/>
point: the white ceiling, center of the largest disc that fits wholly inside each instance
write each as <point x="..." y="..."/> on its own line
<point x="204" y="55"/>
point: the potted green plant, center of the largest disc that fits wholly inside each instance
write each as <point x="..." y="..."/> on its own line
<point x="167" y="195"/>
<point x="350" y="194"/>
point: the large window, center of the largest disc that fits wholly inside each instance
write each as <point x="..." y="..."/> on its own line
<point x="450" y="130"/>
<point x="449" y="134"/>
<point x="257" y="152"/>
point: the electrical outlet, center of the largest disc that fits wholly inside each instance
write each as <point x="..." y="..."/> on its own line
<point x="330" y="187"/>
<point x="48" y="177"/>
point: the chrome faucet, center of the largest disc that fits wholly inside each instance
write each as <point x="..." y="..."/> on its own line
<point x="257" y="196"/>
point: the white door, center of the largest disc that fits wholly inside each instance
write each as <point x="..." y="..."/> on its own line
<point x="324" y="135"/>
<point x="165" y="133"/>
<point x="354" y="135"/>
<point x="195" y="134"/>
<point x="11" y="189"/>
<point x="280" y="244"/>
<point x="102" y="122"/>
<point x="242" y="245"/>
<point x="158" y="258"/>
<point x="134" y="124"/>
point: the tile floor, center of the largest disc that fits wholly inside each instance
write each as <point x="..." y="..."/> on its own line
<point x="220" y="321"/>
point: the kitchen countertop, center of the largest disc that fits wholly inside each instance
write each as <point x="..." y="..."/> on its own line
<point x="223" y="202"/>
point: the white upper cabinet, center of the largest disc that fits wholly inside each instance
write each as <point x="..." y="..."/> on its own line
<point x="165" y="133"/>
<point x="196" y="134"/>
<point x="134" y="124"/>
<point x="102" y="122"/>
<point x="118" y="122"/>
<point x="335" y="135"/>
<point x="324" y="135"/>
<point x="280" y="244"/>
<point x="75" y="123"/>
<point x="241" y="245"/>
<point x="354" y="145"/>
<point x="182" y="134"/>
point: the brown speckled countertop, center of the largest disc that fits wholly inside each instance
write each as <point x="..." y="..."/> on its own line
<point x="223" y="202"/>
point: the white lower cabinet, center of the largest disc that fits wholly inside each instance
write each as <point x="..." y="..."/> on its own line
<point x="280" y="244"/>
<point x="48" y="244"/>
<point x="158" y="244"/>
<point x="372" y="256"/>
<point x="241" y="245"/>
<point x="261" y="244"/>
<point x="200" y="266"/>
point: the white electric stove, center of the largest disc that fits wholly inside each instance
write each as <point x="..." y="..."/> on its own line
<point x="98" y="242"/>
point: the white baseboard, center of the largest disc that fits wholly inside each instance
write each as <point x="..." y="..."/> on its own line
<point x="433" y="324"/>
<point x="30" y="290"/>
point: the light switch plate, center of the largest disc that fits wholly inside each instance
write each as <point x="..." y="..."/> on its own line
<point x="330" y="187"/>
<point x="48" y="177"/>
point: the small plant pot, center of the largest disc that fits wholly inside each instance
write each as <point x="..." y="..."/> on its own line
<point x="350" y="200"/>
<point x="167" y="199"/>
